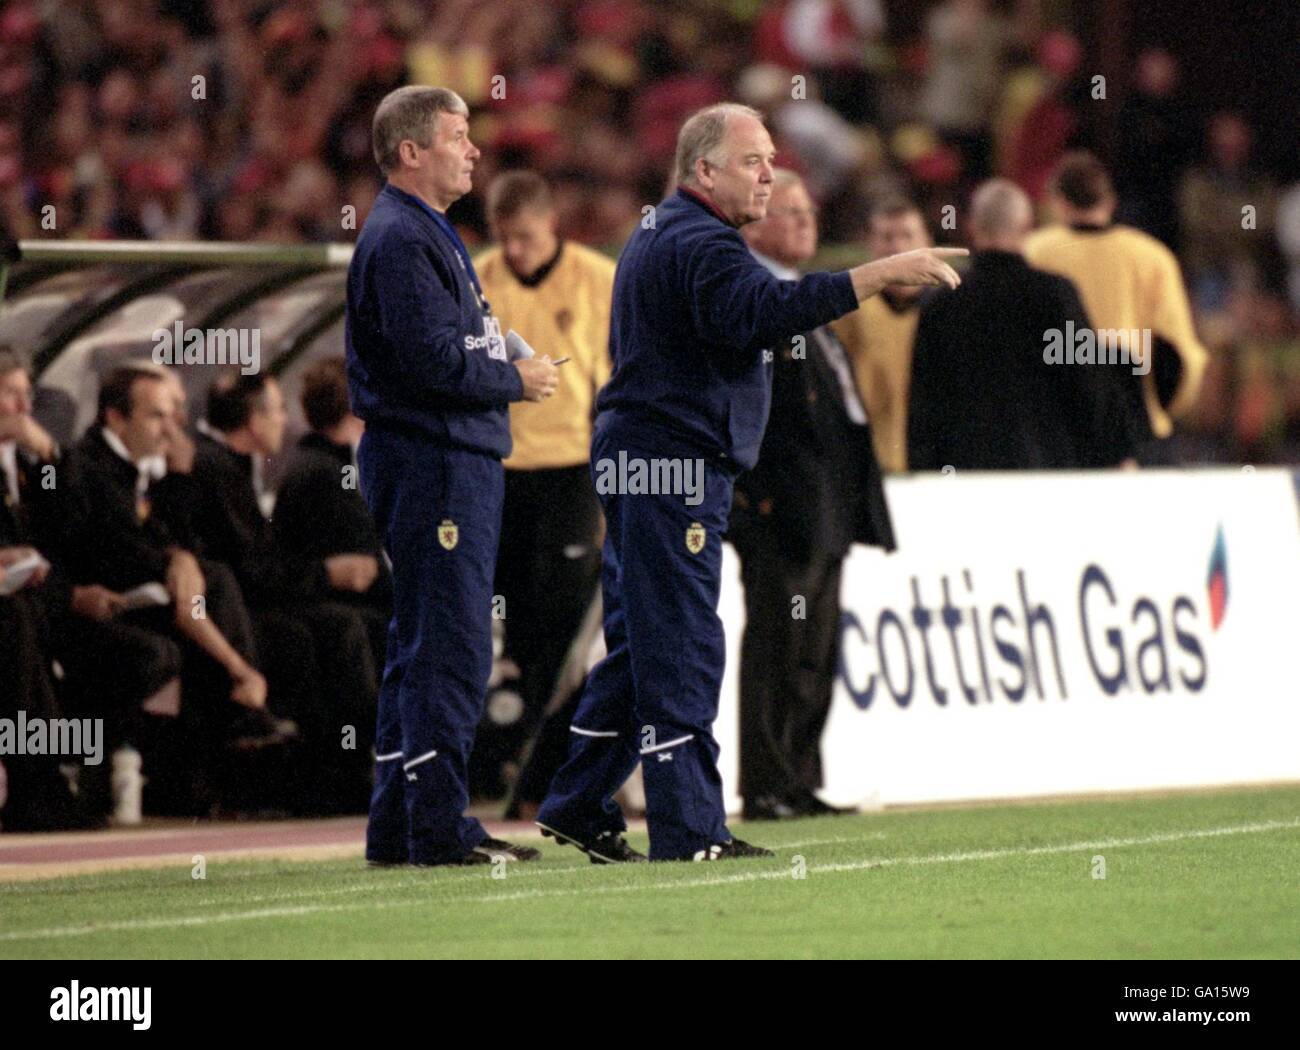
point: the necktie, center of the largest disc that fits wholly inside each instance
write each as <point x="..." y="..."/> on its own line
<point x="839" y="362"/>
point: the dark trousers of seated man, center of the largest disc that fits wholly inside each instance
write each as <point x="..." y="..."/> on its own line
<point x="320" y="671"/>
<point x="31" y="782"/>
<point x="438" y="511"/>
<point x="187" y="761"/>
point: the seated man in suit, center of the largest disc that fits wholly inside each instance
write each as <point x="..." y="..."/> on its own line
<point x="320" y="516"/>
<point x="123" y="527"/>
<point x="320" y="658"/>
<point x="110" y="669"/>
<point x="815" y="490"/>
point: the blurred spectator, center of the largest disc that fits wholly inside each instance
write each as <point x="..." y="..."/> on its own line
<point x="1130" y="283"/>
<point x="1051" y="124"/>
<point x="1227" y="209"/>
<point x="250" y="122"/>
<point x="1155" y="145"/>
<point x="966" y="42"/>
<point x="1288" y="239"/>
<point x="984" y="394"/>
<point x="878" y="335"/>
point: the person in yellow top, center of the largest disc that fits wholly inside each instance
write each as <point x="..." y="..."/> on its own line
<point x="1129" y="282"/>
<point x="556" y="295"/>
<point x="878" y="335"/>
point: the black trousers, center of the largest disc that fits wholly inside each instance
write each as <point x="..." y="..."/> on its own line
<point x="25" y="679"/>
<point x="547" y="571"/>
<point x="788" y="661"/>
<point x="31" y="785"/>
<point x="320" y="671"/>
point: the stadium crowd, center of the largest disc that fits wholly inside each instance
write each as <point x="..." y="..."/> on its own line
<point x="99" y="118"/>
<point x="246" y="121"/>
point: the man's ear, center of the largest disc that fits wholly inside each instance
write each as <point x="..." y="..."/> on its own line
<point x="703" y="173"/>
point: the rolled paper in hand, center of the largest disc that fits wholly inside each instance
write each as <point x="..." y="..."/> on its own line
<point x="516" y="348"/>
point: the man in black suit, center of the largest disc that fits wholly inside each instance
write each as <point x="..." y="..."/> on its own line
<point x="320" y="515"/>
<point x="318" y="654"/>
<point x="110" y="669"/>
<point x="122" y="527"/>
<point x="984" y="396"/>
<point x="815" y="490"/>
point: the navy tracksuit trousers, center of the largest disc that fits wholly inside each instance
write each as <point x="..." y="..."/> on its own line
<point x="438" y="511"/>
<point x="654" y="697"/>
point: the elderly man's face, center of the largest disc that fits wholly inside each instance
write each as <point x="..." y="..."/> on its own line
<point x="445" y="171"/>
<point x="789" y="232"/>
<point x="741" y="183"/>
<point x="15" y="394"/>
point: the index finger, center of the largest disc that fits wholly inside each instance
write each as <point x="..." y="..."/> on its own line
<point x="950" y="251"/>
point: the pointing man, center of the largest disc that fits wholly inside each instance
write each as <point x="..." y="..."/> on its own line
<point x="694" y="316"/>
<point x="428" y="373"/>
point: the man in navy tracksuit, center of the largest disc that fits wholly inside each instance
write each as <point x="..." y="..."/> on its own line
<point x="693" y="317"/>
<point x="427" y="371"/>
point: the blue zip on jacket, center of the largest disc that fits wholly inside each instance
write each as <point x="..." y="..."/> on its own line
<point x="423" y="349"/>
<point x="693" y="311"/>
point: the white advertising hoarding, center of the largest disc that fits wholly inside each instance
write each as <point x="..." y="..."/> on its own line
<point x="1039" y="634"/>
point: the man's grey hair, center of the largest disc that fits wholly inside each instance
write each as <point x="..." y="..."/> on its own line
<point x="702" y="134"/>
<point x="999" y="206"/>
<point x="409" y="113"/>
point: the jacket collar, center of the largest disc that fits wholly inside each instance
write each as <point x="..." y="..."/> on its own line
<point x="316" y="442"/>
<point x="704" y="201"/>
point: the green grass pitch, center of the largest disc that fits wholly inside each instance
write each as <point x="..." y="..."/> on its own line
<point x="1201" y="875"/>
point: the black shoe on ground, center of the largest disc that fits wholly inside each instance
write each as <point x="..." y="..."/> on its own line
<point x="809" y="805"/>
<point x="257" y="729"/>
<point x="471" y="859"/>
<point x="499" y="847"/>
<point x="733" y="850"/>
<point x="374" y="862"/>
<point x="609" y="847"/>
<point x="769" y="807"/>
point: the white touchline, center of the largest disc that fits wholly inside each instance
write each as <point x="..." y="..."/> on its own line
<point x="805" y="843"/>
<point x="767" y="874"/>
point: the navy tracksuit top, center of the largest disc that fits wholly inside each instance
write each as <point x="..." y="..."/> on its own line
<point x="423" y="349"/>
<point x="693" y="311"/>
